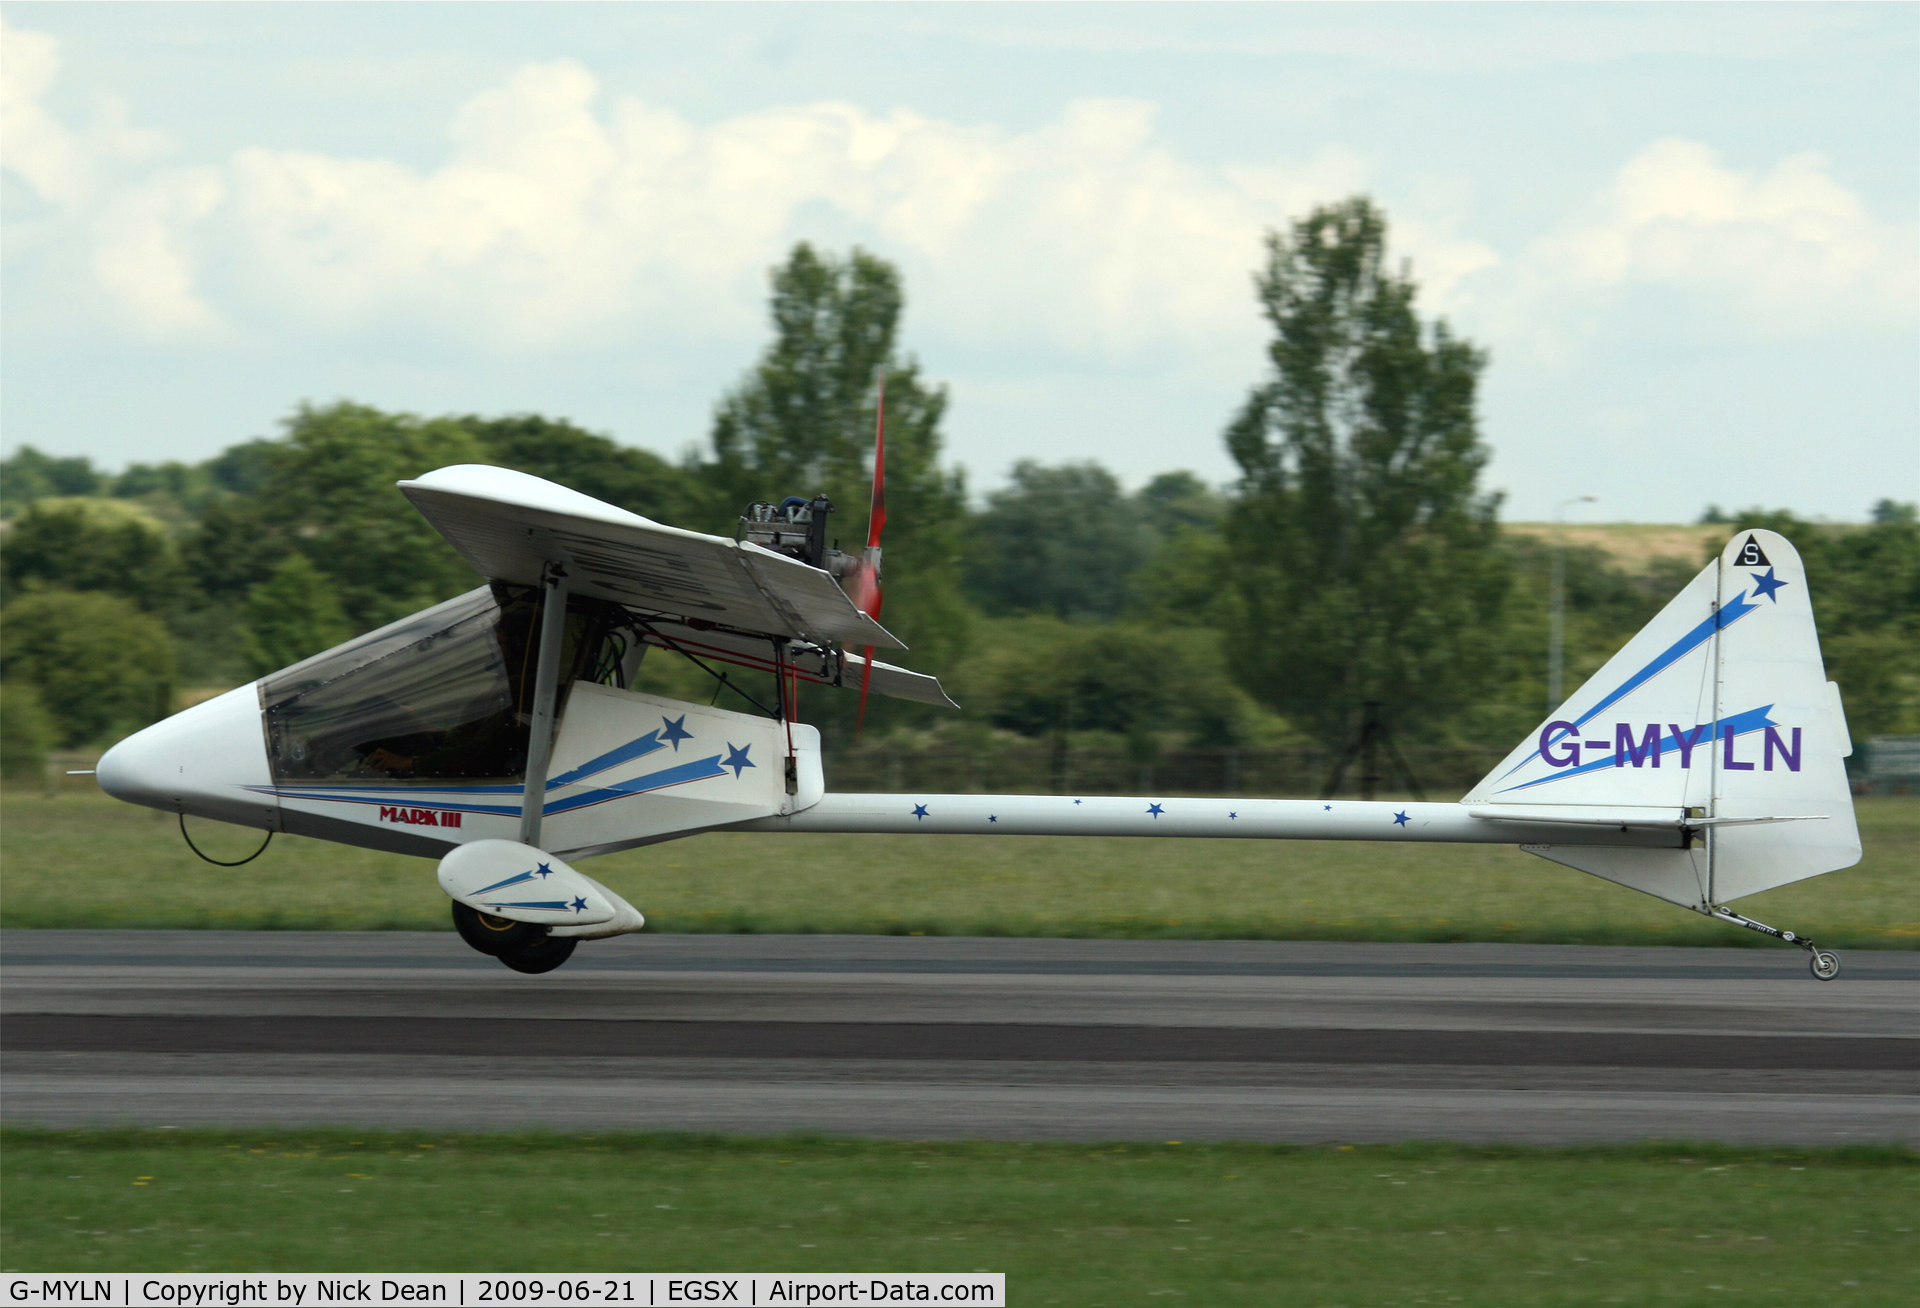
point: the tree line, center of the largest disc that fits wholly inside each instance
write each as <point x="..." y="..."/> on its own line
<point x="1356" y="559"/>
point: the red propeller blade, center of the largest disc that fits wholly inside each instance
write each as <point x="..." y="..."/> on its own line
<point x="877" y="510"/>
<point x="866" y="578"/>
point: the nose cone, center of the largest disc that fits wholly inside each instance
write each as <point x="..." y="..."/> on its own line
<point x="210" y="761"/>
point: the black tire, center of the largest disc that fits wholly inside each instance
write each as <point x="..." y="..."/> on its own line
<point x="493" y="935"/>
<point x="543" y="955"/>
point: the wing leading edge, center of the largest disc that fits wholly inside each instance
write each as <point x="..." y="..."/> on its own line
<point x="508" y="525"/>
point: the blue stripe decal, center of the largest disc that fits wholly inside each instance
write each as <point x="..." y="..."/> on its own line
<point x="1731" y="613"/>
<point x="555" y="904"/>
<point x="405" y="788"/>
<point x="633" y="749"/>
<point x="501" y="885"/>
<point x="1737" y="725"/>
<point x="680" y="774"/>
<point x="397" y="799"/>
<point x="697" y="770"/>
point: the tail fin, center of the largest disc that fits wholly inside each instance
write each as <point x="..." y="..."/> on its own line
<point x="1719" y="717"/>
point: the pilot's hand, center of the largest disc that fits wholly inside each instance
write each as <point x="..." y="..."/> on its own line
<point x="388" y="761"/>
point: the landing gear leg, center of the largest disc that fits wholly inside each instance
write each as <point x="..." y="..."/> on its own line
<point x="1823" y="964"/>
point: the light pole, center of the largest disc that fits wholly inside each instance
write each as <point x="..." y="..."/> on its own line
<point x="1557" y="603"/>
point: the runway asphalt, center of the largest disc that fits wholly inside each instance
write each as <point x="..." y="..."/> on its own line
<point x="949" y="1038"/>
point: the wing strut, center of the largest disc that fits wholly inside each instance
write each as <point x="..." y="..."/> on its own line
<point x="789" y="691"/>
<point x="546" y="681"/>
<point x="867" y="589"/>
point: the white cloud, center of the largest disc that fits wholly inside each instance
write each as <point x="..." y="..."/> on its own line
<point x="141" y="257"/>
<point x="560" y="218"/>
<point x="557" y="219"/>
<point x="38" y="150"/>
<point x="61" y="165"/>
<point x="1781" y="252"/>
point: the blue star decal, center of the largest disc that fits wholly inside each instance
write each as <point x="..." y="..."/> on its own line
<point x="1766" y="585"/>
<point x="1232" y="816"/>
<point x="1154" y="810"/>
<point x="737" y="759"/>
<point x="543" y="871"/>
<point x="920" y="810"/>
<point x="578" y="905"/>
<point x="1400" y="819"/>
<point x="675" y="731"/>
<point x="992" y="818"/>
<point x="1076" y="801"/>
<point x="1327" y="807"/>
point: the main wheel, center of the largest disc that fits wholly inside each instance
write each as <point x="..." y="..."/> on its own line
<point x="494" y="935"/>
<point x="1824" y="966"/>
<point x="543" y="955"/>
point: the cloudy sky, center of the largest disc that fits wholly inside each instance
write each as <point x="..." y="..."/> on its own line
<point x="1687" y="234"/>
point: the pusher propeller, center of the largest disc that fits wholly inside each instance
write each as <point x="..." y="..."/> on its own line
<point x="863" y="577"/>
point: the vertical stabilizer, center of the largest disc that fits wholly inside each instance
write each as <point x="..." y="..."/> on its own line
<point x="1718" y="714"/>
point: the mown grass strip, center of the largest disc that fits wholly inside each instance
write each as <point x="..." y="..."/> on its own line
<point x="1219" y="1224"/>
<point x="82" y="859"/>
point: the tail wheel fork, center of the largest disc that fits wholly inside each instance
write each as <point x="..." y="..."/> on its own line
<point x="1824" y="965"/>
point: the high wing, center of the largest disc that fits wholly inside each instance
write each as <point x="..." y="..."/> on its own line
<point x="509" y="525"/>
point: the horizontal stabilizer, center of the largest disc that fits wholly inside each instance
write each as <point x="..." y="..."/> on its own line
<point x="1595" y="816"/>
<point x="1584" y="816"/>
<point x="897" y="683"/>
<point x="509" y="525"/>
<point x="814" y="665"/>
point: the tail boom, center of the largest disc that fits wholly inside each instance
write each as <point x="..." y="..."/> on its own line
<point x="1245" y="819"/>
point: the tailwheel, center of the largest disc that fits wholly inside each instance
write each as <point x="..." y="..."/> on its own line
<point x="495" y="935"/>
<point x="1821" y="962"/>
<point x="543" y="955"/>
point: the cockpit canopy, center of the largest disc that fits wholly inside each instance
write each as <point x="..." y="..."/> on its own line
<point x="443" y="694"/>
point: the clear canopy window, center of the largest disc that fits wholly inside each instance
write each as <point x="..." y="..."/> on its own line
<point x="444" y="694"/>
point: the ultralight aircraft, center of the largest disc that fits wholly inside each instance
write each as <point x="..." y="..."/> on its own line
<point x="499" y="733"/>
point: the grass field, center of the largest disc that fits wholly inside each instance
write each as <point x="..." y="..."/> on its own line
<point x="1634" y="545"/>
<point x="82" y="859"/>
<point x="1069" y="1224"/>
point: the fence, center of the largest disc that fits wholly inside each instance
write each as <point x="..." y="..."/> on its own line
<point x="1891" y="765"/>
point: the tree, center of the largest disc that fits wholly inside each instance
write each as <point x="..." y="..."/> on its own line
<point x="92" y="544"/>
<point x="1363" y="554"/>
<point x="292" y="614"/>
<point x="1045" y="677"/>
<point x="1060" y="540"/>
<point x="802" y="422"/>
<point x="1177" y="501"/>
<point x="27" y="475"/>
<point x="1865" y="586"/>
<point x="101" y="666"/>
<point x="327" y="492"/>
<point x="26" y="732"/>
<point x="1186" y="583"/>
